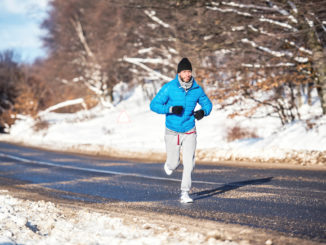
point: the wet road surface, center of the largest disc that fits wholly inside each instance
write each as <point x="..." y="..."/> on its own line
<point x="291" y="201"/>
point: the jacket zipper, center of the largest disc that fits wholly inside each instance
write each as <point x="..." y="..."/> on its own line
<point x="185" y="95"/>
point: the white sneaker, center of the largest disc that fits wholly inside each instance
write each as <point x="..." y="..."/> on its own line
<point x="185" y="198"/>
<point x="167" y="170"/>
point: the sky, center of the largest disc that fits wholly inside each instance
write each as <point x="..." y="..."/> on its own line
<point x="20" y="28"/>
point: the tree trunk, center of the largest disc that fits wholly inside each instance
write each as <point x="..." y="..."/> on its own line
<point x="319" y="67"/>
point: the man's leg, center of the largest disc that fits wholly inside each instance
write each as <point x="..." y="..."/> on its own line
<point x="189" y="147"/>
<point x="172" y="151"/>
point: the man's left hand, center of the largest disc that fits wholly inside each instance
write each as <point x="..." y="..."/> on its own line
<point x="199" y="114"/>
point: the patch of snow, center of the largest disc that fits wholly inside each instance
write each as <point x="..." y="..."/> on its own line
<point x="140" y="62"/>
<point x="262" y="31"/>
<point x="65" y="104"/>
<point x="145" y="50"/>
<point x="276" y="53"/>
<point x="302" y="49"/>
<point x="281" y="64"/>
<point x="151" y="14"/>
<point x="229" y="10"/>
<point x="293" y="6"/>
<point x="208" y="37"/>
<point x="172" y="50"/>
<point x="301" y="59"/>
<point x="249" y="6"/>
<point x="253" y="28"/>
<point x="293" y="19"/>
<point x="237" y="28"/>
<point x="252" y="65"/>
<point x="29" y="222"/>
<point x="310" y="22"/>
<point x="282" y="24"/>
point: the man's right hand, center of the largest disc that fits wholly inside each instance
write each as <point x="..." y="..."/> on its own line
<point x="177" y="109"/>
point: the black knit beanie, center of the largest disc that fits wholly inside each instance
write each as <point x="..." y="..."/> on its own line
<point x="184" y="64"/>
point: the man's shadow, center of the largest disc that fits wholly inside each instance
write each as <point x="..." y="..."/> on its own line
<point x="228" y="187"/>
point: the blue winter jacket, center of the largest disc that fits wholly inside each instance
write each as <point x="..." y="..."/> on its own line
<point x="172" y="94"/>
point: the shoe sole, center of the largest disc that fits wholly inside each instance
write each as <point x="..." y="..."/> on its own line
<point x="186" y="202"/>
<point x="167" y="171"/>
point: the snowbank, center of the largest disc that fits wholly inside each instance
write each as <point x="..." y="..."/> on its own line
<point x="129" y="128"/>
<point x="28" y="222"/>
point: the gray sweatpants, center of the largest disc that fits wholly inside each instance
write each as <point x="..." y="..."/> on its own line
<point x="173" y="143"/>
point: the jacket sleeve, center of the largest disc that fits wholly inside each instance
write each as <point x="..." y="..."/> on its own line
<point x="205" y="103"/>
<point x="159" y="102"/>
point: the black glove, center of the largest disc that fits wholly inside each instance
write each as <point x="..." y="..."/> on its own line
<point x="177" y="109"/>
<point x="199" y="114"/>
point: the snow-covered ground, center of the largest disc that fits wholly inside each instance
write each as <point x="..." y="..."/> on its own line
<point x="130" y="128"/>
<point x="43" y="222"/>
<point x="29" y="222"/>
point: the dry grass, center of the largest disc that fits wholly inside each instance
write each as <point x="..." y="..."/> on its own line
<point x="237" y="132"/>
<point x="41" y="125"/>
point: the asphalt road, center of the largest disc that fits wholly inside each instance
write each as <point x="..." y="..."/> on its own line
<point x="290" y="201"/>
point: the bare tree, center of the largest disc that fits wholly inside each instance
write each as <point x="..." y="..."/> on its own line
<point x="20" y="91"/>
<point x="10" y="75"/>
<point x="265" y="46"/>
<point x="84" y="41"/>
<point x="240" y="48"/>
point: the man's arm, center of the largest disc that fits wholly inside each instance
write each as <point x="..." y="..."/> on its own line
<point x="205" y="103"/>
<point x="159" y="103"/>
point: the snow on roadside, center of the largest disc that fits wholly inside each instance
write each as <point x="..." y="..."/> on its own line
<point x="130" y="127"/>
<point x="29" y="222"/>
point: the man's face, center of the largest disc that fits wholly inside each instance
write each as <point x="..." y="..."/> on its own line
<point x="185" y="75"/>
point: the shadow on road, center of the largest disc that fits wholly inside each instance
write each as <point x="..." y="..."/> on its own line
<point x="229" y="187"/>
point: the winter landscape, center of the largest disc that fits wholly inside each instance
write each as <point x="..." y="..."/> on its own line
<point x="262" y="64"/>
<point x="130" y="129"/>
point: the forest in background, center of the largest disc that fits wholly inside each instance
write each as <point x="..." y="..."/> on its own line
<point x="269" y="52"/>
